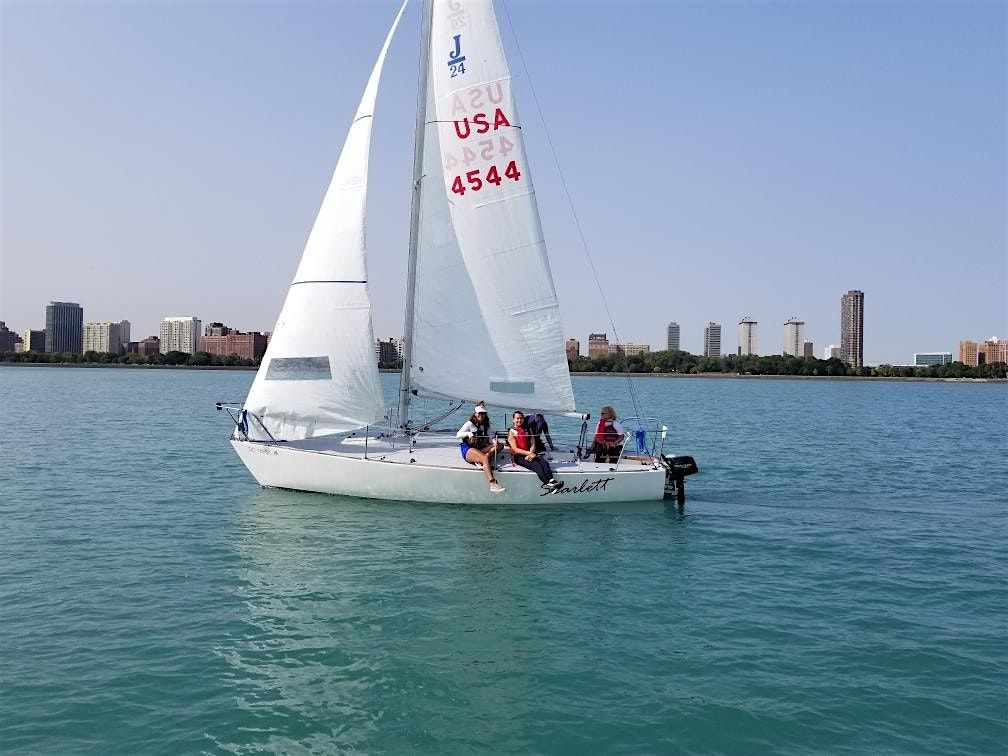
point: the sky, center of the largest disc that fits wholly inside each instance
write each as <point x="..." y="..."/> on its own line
<point x="724" y="160"/>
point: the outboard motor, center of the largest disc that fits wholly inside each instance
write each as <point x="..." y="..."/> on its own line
<point x="676" y="470"/>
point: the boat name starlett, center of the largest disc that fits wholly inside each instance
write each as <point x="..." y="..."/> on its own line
<point x="586" y="486"/>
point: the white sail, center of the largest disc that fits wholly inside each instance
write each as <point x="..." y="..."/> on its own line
<point x="487" y="322"/>
<point x="320" y="375"/>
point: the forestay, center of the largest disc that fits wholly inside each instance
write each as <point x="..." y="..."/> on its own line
<point x="487" y="322"/>
<point x="319" y="375"/>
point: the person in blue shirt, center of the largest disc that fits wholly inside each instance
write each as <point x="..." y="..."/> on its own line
<point x="537" y="426"/>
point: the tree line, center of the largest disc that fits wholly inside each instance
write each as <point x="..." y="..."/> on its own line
<point x="651" y="362"/>
<point x="199" y="359"/>
<point x="674" y="361"/>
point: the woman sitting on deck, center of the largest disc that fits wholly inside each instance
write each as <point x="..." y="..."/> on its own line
<point x="476" y="446"/>
<point x="520" y="441"/>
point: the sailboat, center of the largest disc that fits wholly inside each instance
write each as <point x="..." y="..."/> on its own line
<point x="482" y="319"/>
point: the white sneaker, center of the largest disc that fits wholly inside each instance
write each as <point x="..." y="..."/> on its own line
<point x="497" y="487"/>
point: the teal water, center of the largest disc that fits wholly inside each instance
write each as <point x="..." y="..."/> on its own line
<point x="836" y="582"/>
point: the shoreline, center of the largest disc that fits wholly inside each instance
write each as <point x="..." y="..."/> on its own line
<point x="728" y="376"/>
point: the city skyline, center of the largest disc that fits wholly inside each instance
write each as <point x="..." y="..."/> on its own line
<point x="897" y="167"/>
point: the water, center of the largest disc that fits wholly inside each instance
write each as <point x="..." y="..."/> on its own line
<point x="835" y="583"/>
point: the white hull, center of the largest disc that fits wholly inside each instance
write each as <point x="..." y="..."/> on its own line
<point x="438" y="474"/>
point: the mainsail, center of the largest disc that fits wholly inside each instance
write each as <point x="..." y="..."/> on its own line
<point x="487" y="321"/>
<point x="319" y="375"/>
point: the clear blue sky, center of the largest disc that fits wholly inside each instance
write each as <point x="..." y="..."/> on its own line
<point x="725" y="158"/>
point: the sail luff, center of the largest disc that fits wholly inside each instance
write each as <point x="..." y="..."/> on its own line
<point x="418" y="153"/>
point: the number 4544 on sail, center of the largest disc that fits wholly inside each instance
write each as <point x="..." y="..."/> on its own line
<point x="491" y="177"/>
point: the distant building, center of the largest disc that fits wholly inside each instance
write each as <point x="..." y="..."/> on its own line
<point x="389" y="352"/>
<point x="747" y="337"/>
<point x="8" y="339"/>
<point x="64" y="327"/>
<point x="32" y="341"/>
<point x="217" y="329"/>
<point x="808" y="350"/>
<point x="598" y="345"/>
<point x="573" y="349"/>
<point x="673" y="337"/>
<point x="794" y="337"/>
<point x="180" y="334"/>
<point x="150" y="345"/>
<point x="633" y="349"/>
<point x="852" y="327"/>
<point x="926" y="359"/>
<point x="993" y="350"/>
<point x="225" y="342"/>
<point x="103" y="337"/>
<point x="832" y="352"/>
<point x="712" y="340"/>
<point x="968" y="353"/>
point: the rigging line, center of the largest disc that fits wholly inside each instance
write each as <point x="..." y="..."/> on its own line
<point x="570" y="203"/>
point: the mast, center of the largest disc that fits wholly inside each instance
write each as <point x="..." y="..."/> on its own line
<point x="414" y="237"/>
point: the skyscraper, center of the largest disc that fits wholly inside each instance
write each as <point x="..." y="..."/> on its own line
<point x="747" y="336"/>
<point x="180" y="334"/>
<point x="852" y="327"/>
<point x="573" y="349"/>
<point x="808" y="350"/>
<point x="794" y="337"/>
<point x="64" y="323"/>
<point x="673" y="337"/>
<point x="712" y="340"/>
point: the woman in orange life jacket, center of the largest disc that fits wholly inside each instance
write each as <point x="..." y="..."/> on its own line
<point x="520" y="441"/>
<point x="476" y="446"/>
<point x="608" y="436"/>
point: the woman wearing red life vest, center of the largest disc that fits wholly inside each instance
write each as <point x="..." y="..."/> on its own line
<point x="520" y="441"/>
<point x="609" y="437"/>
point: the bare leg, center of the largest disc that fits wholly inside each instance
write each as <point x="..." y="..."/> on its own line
<point x="477" y="457"/>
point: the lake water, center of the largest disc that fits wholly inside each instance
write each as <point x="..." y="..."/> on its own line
<point x="836" y="582"/>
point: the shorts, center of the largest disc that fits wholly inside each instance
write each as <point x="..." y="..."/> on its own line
<point x="464" y="448"/>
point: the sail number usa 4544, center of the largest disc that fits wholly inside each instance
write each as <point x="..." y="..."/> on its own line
<point x="492" y="176"/>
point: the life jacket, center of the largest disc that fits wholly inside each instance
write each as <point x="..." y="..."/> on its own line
<point x="523" y="439"/>
<point x="605" y="433"/>
<point x="482" y="435"/>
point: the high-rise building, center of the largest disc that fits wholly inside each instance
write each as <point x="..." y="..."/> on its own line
<point x="852" y="327"/>
<point x="993" y="350"/>
<point x="389" y="352"/>
<point x="832" y="352"/>
<point x="103" y="337"/>
<point x="968" y="353"/>
<point x="673" y="337"/>
<point x="573" y="349"/>
<point x="808" y="350"/>
<point x="598" y="345"/>
<point x="794" y="337"/>
<point x="180" y="334"/>
<point x="64" y="327"/>
<point x="124" y="331"/>
<point x="926" y="359"/>
<point x="747" y="337"/>
<point x="9" y="340"/>
<point x="32" y="341"/>
<point x="712" y="340"/>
